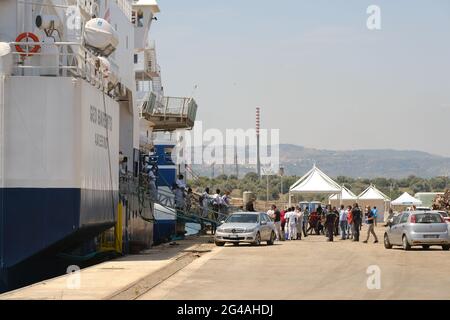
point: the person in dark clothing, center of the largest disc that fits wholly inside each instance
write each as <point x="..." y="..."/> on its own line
<point x="319" y="210"/>
<point x="336" y="222"/>
<point x="330" y="221"/>
<point x="249" y="206"/>
<point x="277" y="222"/>
<point x="357" y="219"/>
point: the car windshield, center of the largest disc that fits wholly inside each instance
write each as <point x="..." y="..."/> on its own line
<point x="428" y="218"/>
<point x="243" y="218"/>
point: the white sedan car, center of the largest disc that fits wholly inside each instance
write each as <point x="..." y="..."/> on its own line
<point x="246" y="227"/>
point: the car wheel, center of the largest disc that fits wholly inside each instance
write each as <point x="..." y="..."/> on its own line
<point x="426" y="246"/>
<point x="406" y="245"/>
<point x="387" y="243"/>
<point x="446" y="247"/>
<point x="272" y="239"/>
<point x="219" y="244"/>
<point x="257" y="241"/>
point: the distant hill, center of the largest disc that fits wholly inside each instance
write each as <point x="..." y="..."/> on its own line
<point x="297" y="160"/>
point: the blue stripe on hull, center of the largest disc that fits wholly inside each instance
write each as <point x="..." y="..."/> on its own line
<point x="35" y="219"/>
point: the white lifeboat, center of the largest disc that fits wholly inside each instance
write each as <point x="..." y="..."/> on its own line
<point x="101" y="36"/>
<point x="6" y="60"/>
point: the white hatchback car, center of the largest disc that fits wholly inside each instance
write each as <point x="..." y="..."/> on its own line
<point x="246" y="227"/>
<point x="417" y="228"/>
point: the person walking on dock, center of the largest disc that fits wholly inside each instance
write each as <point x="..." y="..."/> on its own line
<point x="226" y="202"/>
<point x="305" y="221"/>
<point x="343" y="222"/>
<point x="375" y="215"/>
<point x="217" y="201"/>
<point x="357" y="219"/>
<point x="299" y="218"/>
<point x="336" y="222"/>
<point x="292" y="224"/>
<point x="283" y="224"/>
<point x="275" y="214"/>
<point x="371" y="224"/>
<point x="330" y="221"/>
<point x="204" y="201"/>
<point x="349" y="223"/>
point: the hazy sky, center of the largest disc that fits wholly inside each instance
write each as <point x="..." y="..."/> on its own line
<point x="317" y="72"/>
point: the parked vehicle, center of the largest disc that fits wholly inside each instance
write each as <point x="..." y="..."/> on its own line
<point x="246" y="227"/>
<point x="417" y="228"/>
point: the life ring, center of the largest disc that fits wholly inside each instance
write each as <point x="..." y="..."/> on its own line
<point x="27" y="35"/>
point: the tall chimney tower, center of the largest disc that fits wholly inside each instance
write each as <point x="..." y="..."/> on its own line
<point x="258" y="162"/>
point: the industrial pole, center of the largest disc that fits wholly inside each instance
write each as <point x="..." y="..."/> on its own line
<point x="258" y="163"/>
<point x="236" y="161"/>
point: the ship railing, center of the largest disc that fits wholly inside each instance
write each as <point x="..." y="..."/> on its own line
<point x="82" y="63"/>
<point x="136" y="192"/>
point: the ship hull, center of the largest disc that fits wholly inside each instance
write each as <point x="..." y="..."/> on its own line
<point x="58" y="173"/>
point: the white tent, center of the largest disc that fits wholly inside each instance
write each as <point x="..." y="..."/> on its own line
<point x="374" y="197"/>
<point x="406" y="200"/>
<point x="347" y="198"/>
<point x="372" y="193"/>
<point x="315" y="181"/>
<point x="346" y="195"/>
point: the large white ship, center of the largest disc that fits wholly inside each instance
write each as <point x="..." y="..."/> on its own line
<point x="79" y="88"/>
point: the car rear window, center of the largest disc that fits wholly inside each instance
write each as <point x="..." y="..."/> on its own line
<point x="428" y="218"/>
<point x="243" y="218"/>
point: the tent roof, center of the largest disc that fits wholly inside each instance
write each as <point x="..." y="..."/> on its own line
<point x="372" y="193"/>
<point x="406" y="199"/>
<point x="346" y="195"/>
<point x="315" y="181"/>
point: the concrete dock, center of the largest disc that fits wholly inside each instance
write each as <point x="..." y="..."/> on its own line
<point x="123" y="278"/>
<point x="308" y="269"/>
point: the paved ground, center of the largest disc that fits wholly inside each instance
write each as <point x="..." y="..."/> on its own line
<point x="123" y="278"/>
<point x="310" y="269"/>
<point x="307" y="269"/>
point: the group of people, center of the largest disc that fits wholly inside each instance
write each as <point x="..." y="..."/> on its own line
<point x="291" y="223"/>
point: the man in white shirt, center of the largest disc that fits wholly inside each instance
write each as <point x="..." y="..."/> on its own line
<point x="291" y="221"/>
<point x="217" y="201"/>
<point x="226" y="202"/>
<point x="343" y="222"/>
<point x="179" y="191"/>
